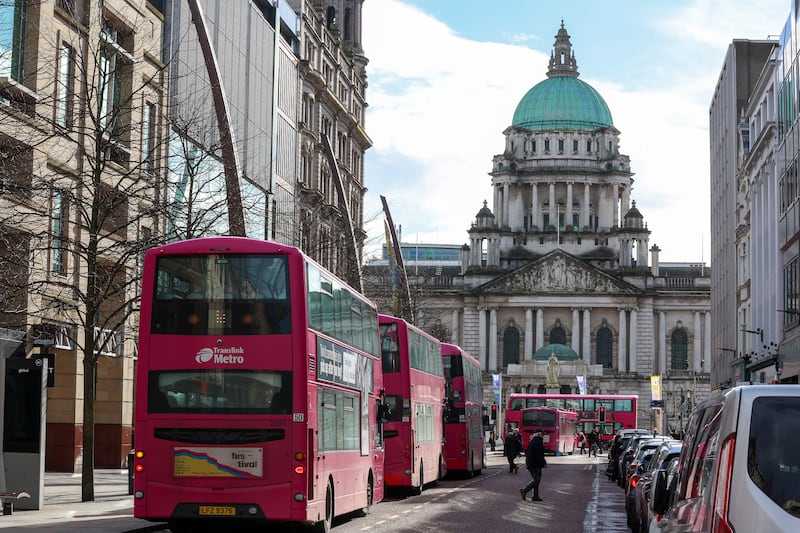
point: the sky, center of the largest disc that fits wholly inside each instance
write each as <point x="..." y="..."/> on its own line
<point x="445" y="76"/>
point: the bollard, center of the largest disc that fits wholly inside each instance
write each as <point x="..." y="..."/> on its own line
<point x="130" y="473"/>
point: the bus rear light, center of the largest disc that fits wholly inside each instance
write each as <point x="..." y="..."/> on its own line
<point x="407" y="455"/>
<point x="299" y="497"/>
<point x="299" y="470"/>
<point x="406" y="447"/>
<point x="299" y="456"/>
<point x="138" y="468"/>
<point x="139" y="454"/>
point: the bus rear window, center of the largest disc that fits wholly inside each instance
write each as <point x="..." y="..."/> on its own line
<point x="539" y="418"/>
<point x="220" y="391"/>
<point x="221" y="295"/>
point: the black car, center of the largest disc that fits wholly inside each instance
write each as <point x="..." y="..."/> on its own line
<point x="666" y="453"/>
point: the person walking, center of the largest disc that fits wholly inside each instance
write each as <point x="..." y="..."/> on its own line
<point x="613" y="458"/>
<point x="512" y="447"/>
<point x="534" y="462"/>
<point x="593" y="442"/>
<point x="582" y="442"/>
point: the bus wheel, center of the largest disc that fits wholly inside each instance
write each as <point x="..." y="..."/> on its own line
<point x="324" y="526"/>
<point x="364" y="511"/>
<point x="418" y="490"/>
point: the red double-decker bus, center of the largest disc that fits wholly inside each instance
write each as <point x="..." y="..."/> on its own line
<point x="414" y="383"/>
<point x="608" y="413"/>
<point x="559" y="434"/>
<point x="258" y="388"/>
<point x="464" y="446"/>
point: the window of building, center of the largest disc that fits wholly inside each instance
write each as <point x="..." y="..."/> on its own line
<point x="547" y="145"/>
<point x="546" y="220"/>
<point x="561" y="145"/>
<point x="575" y="145"/>
<point x="58" y="237"/>
<point x="511" y="345"/>
<point x="13" y="19"/>
<point x="588" y="146"/>
<point x="791" y="292"/>
<point x="605" y="342"/>
<point x="149" y="126"/>
<point x="680" y="349"/>
<point x="558" y="335"/>
<point x="533" y="146"/>
<point x="113" y="81"/>
<point x="64" y="90"/>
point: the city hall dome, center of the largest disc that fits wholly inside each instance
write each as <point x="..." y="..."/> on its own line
<point x="562" y="101"/>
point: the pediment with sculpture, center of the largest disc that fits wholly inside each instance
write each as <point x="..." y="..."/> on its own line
<point x="558" y="272"/>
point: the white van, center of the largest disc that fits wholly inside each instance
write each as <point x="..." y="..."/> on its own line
<point x="739" y="469"/>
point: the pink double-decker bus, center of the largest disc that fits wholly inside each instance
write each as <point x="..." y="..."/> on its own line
<point x="258" y="389"/>
<point x="414" y="383"/>
<point x="464" y="446"/>
<point x="559" y="434"/>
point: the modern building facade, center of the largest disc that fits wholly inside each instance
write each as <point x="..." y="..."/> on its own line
<point x="734" y="330"/>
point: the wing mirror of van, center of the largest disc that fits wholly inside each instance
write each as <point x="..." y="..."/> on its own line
<point x="660" y="495"/>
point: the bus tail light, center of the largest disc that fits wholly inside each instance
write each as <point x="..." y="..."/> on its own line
<point x="299" y="456"/>
<point x="139" y="467"/>
<point x="722" y="489"/>
<point x="299" y="470"/>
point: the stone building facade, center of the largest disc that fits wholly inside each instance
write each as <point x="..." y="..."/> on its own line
<point x="562" y="263"/>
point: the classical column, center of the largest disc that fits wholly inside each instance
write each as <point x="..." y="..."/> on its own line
<point x="493" y="340"/>
<point x="498" y="206"/>
<point x="482" y="338"/>
<point x="662" y="342"/>
<point x="698" y="343"/>
<point x="587" y="335"/>
<point x="586" y="212"/>
<point x="553" y="211"/>
<point x="506" y="205"/>
<point x="615" y="193"/>
<point x="454" y="328"/>
<point x="707" y="341"/>
<point x="622" y="345"/>
<point x="634" y="333"/>
<point x="539" y="328"/>
<point x="528" y="334"/>
<point x="576" y="330"/>
<point x="568" y="208"/>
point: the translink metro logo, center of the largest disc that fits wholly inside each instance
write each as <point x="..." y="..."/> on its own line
<point x="225" y="356"/>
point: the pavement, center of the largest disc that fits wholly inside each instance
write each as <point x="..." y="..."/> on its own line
<point x="62" y="500"/>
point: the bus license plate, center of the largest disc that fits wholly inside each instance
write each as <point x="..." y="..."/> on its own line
<point x="217" y="510"/>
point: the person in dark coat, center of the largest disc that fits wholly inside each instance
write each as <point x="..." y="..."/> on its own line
<point x="512" y="447"/>
<point x="534" y="462"/>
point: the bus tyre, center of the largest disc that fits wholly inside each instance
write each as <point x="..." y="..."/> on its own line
<point x="418" y="490"/>
<point x="324" y="526"/>
<point x="364" y="511"/>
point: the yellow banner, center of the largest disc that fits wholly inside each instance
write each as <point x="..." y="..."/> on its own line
<point x="655" y="387"/>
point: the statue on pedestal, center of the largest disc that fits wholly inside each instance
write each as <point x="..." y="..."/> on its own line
<point x="552" y="371"/>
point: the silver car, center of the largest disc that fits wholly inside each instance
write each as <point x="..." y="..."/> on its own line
<point x="739" y="468"/>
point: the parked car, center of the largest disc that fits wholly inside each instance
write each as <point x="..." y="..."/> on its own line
<point x="739" y="469"/>
<point x="632" y="487"/>
<point x="667" y="452"/>
<point x="628" y="455"/>
<point x="668" y="478"/>
<point x="642" y="446"/>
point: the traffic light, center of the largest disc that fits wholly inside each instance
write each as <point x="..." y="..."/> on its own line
<point x="602" y="414"/>
<point x="494" y="413"/>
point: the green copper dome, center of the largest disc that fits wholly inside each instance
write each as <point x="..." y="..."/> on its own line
<point x="561" y="351"/>
<point x="562" y="102"/>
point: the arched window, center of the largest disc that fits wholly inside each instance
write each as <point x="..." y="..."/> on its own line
<point x="511" y="346"/>
<point x="605" y="342"/>
<point x="330" y="16"/>
<point x="558" y="335"/>
<point x="680" y="350"/>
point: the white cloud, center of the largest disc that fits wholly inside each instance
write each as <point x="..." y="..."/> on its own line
<point x="440" y="102"/>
